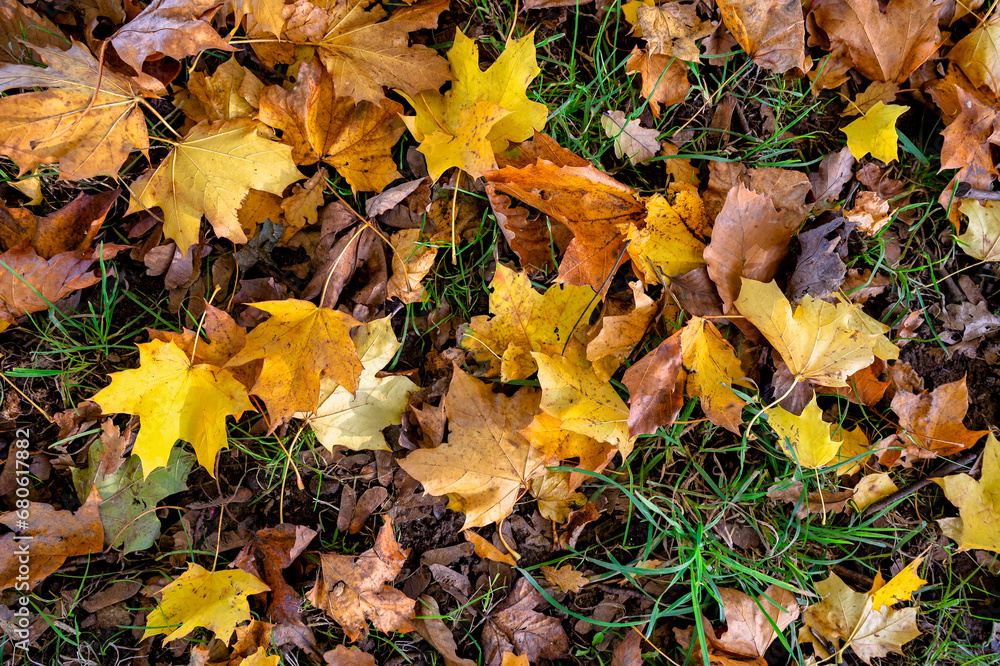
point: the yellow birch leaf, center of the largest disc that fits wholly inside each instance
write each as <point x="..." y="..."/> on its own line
<point x="816" y="341"/>
<point x="978" y="502"/>
<point x="805" y="438"/>
<point x="215" y="600"/>
<point x="298" y="343"/>
<point x="485" y="464"/>
<point x="357" y="421"/>
<point x="875" y="132"/>
<point x="209" y="172"/>
<point x="673" y="239"/>
<point x="584" y="404"/>
<point x="175" y="400"/>
<point x="522" y="321"/>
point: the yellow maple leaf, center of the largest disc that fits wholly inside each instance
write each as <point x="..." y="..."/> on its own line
<point x="805" y="438"/>
<point x="261" y="658"/>
<point x="298" y="343"/>
<point x="486" y="462"/>
<point x="816" y="341"/>
<point x="711" y="368"/>
<point x="582" y="402"/>
<point x="216" y="600"/>
<point x="616" y="335"/>
<point x="673" y="238"/>
<point x="555" y="496"/>
<point x="981" y="239"/>
<point x="875" y="132"/>
<point x="357" y="421"/>
<point x="900" y="588"/>
<point x="484" y="111"/>
<point x="977" y="55"/>
<point x="209" y="173"/>
<point x="319" y="124"/>
<point x="60" y="124"/>
<point x="545" y="433"/>
<point x="175" y="400"/>
<point x="978" y="502"/>
<point x="522" y="321"/>
<point x="231" y="91"/>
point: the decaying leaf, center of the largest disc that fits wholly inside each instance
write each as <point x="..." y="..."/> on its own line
<point x="631" y="140"/>
<point x="354" y="591"/>
<point x="664" y="79"/>
<point x="486" y="463"/>
<point x="772" y="32"/>
<point x="357" y="421"/>
<point x="978" y="502"/>
<point x="516" y="627"/>
<point x="671" y="29"/>
<point x="411" y="261"/>
<point x="215" y="600"/>
<point x="977" y="54"/>
<point x="566" y="578"/>
<point x="175" y="399"/>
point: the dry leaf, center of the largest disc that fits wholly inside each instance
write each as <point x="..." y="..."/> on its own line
<point x="72" y="227"/>
<point x="664" y="79"/>
<point x="981" y="239"/>
<point x="671" y="29"/>
<point x="978" y="502"/>
<point x="487" y="550"/>
<point x="516" y="627"/>
<point x="631" y="139"/>
<point x="231" y="91"/>
<point x="977" y="55"/>
<point x="772" y="32"/>
<point x="215" y="600"/>
<point x="432" y="628"/>
<point x="709" y="370"/>
<point x="566" y="578"/>
<point x="655" y="393"/>
<point x="808" y="435"/>
<point x="355" y="590"/>
<point x="871" y="489"/>
<point x="672" y="241"/>
<point x="877" y="91"/>
<point x="931" y="422"/>
<point x="412" y="260"/>
<point x="616" y="335"/>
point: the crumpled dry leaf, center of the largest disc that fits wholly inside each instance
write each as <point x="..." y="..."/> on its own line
<point x="631" y="139"/>
<point x="173" y="28"/>
<point x="772" y="32"/>
<point x="50" y="536"/>
<point x="671" y="30"/>
<point x="72" y="227"/>
<point x="655" y="394"/>
<point x="834" y="172"/>
<point x="566" y="578"/>
<point x="516" y="627"/>
<point x="412" y="260"/>
<point x="870" y="213"/>
<point x="664" y="79"/>
<point x="432" y="628"/>
<point x="355" y="590"/>
<point x="485" y="463"/>
<point x="231" y="91"/>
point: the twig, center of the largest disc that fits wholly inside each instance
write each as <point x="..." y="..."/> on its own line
<point x="945" y="470"/>
<point x="966" y="191"/>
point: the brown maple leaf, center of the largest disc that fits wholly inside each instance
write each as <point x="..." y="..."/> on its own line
<point x="968" y="141"/>
<point x="517" y="627"/>
<point x="931" y="422"/>
<point x="72" y="227"/>
<point x="772" y="32"/>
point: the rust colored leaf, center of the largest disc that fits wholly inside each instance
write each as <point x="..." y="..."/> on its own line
<point x="663" y="79"/>
<point x="72" y="227"/>
<point x="931" y="422"/>
<point x="656" y="389"/>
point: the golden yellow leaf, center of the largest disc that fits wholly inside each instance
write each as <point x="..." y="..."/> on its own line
<point x="301" y="207"/>
<point x="522" y="321"/>
<point x="231" y="91"/>
<point x="175" y="400"/>
<point x="566" y="578"/>
<point x="808" y="435"/>
<point x="215" y="600"/>
<point x="298" y="343"/>
<point x="483" y="112"/>
<point x="978" y="502"/>
<point x="710" y="368"/>
<point x="816" y="341"/>
<point x="59" y="125"/>
<point x="209" y="173"/>
<point x="582" y="402"/>
<point x="355" y="590"/>
<point x="546" y="434"/>
<point x="487" y="550"/>
<point x="978" y="54"/>
<point x="356" y="139"/>
<point x="616" y="335"/>
<point x="900" y="588"/>
<point x="260" y="658"/>
<point x="853" y="443"/>
<point x="845" y="618"/>
<point x="673" y="239"/>
<point x="486" y="463"/>
<point x="263" y="13"/>
<point x="871" y="489"/>
<point x="411" y="261"/>
<point x="875" y="132"/>
<point x="357" y="421"/>
<point x="555" y="495"/>
<point x="981" y="239"/>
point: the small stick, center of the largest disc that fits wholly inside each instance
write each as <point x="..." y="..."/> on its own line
<point x="966" y="191"/>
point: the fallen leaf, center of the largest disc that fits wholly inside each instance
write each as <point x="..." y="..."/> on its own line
<point x="631" y="139"/>
<point x="978" y="502"/>
<point x="855" y="449"/>
<point x="265" y="14"/>
<point x="671" y="30"/>
<point x="566" y="578"/>
<point x="172" y="28"/>
<point x="930" y="423"/>
<point x="834" y="172"/>
<point x="356" y="139"/>
<point x="209" y="173"/>
<point x="301" y="207"/>
<point x="175" y="399"/>
<point x="231" y="91"/>
<point x="772" y="33"/>
<point x="816" y="501"/>
<point x="72" y="227"/>
<point x="582" y="402"/>
<point x="871" y="489"/>
<point x="215" y="600"/>
<point x="515" y="626"/>
<point x="672" y="240"/>
<point x="59" y="124"/>
<point x="875" y="132"/>
<point x="547" y="434"/>
<point x="709" y="370"/>
<point x="846" y="618"/>
<point x="21" y="29"/>
<point x="664" y="79"/>
<point x="299" y="343"/>
<point x="50" y="537"/>
<point x="804" y="438"/>
<point x="977" y="55"/>
<point x="969" y="140"/>
<point x="748" y="241"/>
<point x="487" y="550"/>
<point x="616" y="335"/>
<point x="816" y="341"/>
<point x="356" y="422"/>
<point x="432" y="628"/>
<point x="260" y="658"/>
<point x="870" y="213"/>
<point x="628" y="652"/>
<point x="486" y="463"/>
<point x="522" y="321"/>
<point x="882" y="45"/>
<point x="355" y="590"/>
<point x="345" y="656"/>
<point x="589" y="202"/>
<point x="555" y="495"/>
<point x="412" y="260"/>
<point x="482" y="112"/>
<point x="981" y="239"/>
<point x="900" y="588"/>
<point x="877" y="91"/>
<point x="655" y="394"/>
